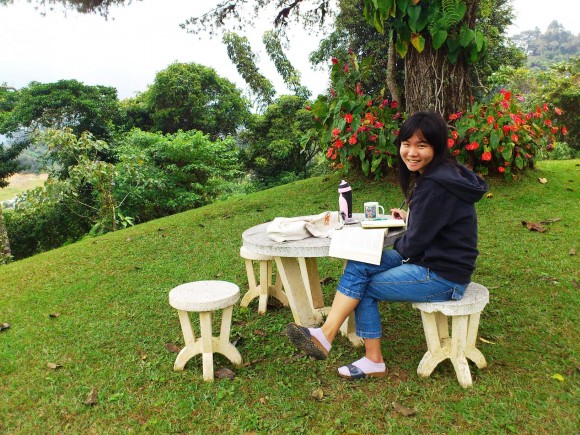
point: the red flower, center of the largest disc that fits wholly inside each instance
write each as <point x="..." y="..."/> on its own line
<point x="358" y="91"/>
<point x="454" y="134"/>
<point x="346" y="68"/>
<point x="334" y="60"/>
<point x="450" y="143"/>
<point x="490" y="119"/>
<point x="308" y="108"/>
<point x="548" y="122"/>
<point x="385" y="102"/>
<point x="373" y="137"/>
<point x="506" y="130"/>
<point x="564" y="131"/>
<point x="545" y="107"/>
<point x="394" y="104"/>
<point x="505" y="104"/>
<point x="500" y="148"/>
<point x="333" y="92"/>
<point x="336" y="131"/>
<point x="455" y="152"/>
<point x="348" y="118"/>
<point x="380" y="124"/>
<point x="472" y="146"/>
<point x="352" y="139"/>
<point x="515" y="137"/>
<point x="369" y="103"/>
<point x="528" y="156"/>
<point x="338" y="144"/>
<point x="558" y="110"/>
<point x="501" y="169"/>
<point x="486" y="156"/>
<point x="329" y="152"/>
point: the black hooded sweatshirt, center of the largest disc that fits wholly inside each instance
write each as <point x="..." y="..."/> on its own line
<point x="442" y="223"/>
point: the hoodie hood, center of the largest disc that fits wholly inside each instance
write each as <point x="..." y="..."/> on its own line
<point x="459" y="181"/>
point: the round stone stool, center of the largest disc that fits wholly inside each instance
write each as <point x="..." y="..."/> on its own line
<point x="464" y="315"/>
<point x="205" y="297"/>
<point x="265" y="287"/>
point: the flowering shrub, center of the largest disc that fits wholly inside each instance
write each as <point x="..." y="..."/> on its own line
<point x="357" y="130"/>
<point x="499" y="137"/>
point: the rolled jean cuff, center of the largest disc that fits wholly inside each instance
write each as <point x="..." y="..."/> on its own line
<point x="347" y="292"/>
<point x="367" y="334"/>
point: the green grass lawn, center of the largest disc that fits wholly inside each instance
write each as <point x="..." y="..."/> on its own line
<point x="99" y="310"/>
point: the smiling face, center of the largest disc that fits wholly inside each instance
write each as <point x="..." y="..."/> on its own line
<point x="416" y="153"/>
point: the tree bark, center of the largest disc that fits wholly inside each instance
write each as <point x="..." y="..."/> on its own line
<point x="5" y="252"/>
<point x="433" y="83"/>
<point x="391" y="81"/>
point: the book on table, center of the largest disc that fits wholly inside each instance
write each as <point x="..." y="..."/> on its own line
<point x="357" y="243"/>
<point x="385" y="222"/>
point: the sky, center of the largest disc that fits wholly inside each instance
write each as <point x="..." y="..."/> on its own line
<point x="136" y="42"/>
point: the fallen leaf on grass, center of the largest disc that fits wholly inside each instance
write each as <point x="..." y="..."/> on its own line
<point x="489" y="195"/>
<point x="575" y="283"/>
<point x="53" y="366"/>
<point x="224" y="373"/>
<point x="260" y="332"/>
<point x="486" y="341"/>
<point x="543" y="180"/>
<point x="92" y="397"/>
<point x="251" y="363"/>
<point x="327" y="280"/>
<point x="54" y="315"/>
<point x="572" y="251"/>
<point x="4" y="326"/>
<point x="532" y="226"/>
<point x="558" y="377"/>
<point x="550" y="221"/>
<point x="317" y="394"/>
<point x="172" y="347"/>
<point x="262" y="400"/>
<point x="407" y="412"/>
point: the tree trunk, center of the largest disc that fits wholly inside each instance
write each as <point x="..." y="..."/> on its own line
<point x="391" y="81"/>
<point x="433" y="83"/>
<point x="5" y="252"/>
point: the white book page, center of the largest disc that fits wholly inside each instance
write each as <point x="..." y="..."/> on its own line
<point x="356" y="243"/>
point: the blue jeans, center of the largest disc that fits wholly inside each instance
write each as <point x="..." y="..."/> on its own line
<point x="394" y="281"/>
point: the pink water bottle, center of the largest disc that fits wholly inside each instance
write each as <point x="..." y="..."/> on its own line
<point x="345" y="201"/>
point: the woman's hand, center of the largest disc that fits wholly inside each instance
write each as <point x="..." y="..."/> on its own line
<point x="399" y="213"/>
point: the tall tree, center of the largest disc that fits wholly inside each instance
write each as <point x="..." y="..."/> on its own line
<point x="189" y="96"/>
<point x="64" y="104"/>
<point x="241" y="54"/>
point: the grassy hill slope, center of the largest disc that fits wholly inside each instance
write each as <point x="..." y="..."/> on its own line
<point x="99" y="309"/>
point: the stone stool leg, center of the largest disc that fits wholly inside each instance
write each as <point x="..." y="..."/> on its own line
<point x="191" y="344"/>
<point x="459" y="325"/>
<point x="206" y="345"/>
<point x="222" y="343"/>
<point x="471" y="351"/>
<point x="264" y="288"/>
<point x="438" y="348"/>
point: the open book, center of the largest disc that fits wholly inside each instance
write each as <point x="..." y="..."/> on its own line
<point x="382" y="223"/>
<point x="356" y="243"/>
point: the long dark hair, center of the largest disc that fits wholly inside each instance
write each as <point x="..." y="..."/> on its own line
<point x="431" y="127"/>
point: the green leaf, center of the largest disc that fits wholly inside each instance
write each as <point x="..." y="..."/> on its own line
<point x="418" y="42"/>
<point x="479" y="40"/>
<point x="439" y="38"/>
<point x="402" y="5"/>
<point x="519" y="162"/>
<point x="376" y="162"/>
<point x="413" y="11"/>
<point x="466" y="35"/>
<point x="401" y="47"/>
<point x="494" y="139"/>
<point x="365" y="167"/>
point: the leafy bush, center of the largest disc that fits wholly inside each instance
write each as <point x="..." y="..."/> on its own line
<point x="358" y="129"/>
<point x="159" y="175"/>
<point x="499" y="137"/>
<point x="38" y="224"/>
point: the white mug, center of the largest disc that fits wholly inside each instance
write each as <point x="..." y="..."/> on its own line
<point x="371" y="210"/>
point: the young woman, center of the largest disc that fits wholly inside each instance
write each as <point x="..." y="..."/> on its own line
<point x="432" y="261"/>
